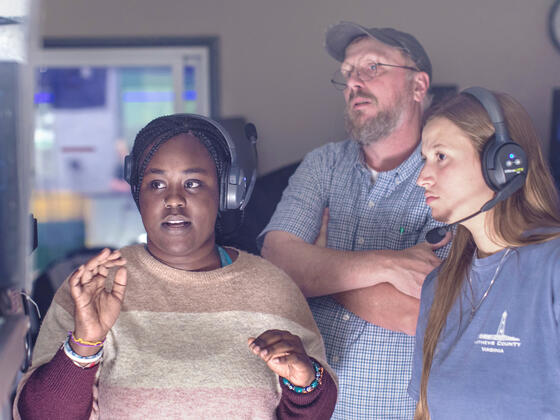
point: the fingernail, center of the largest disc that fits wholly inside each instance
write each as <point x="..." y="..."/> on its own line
<point x="264" y="352"/>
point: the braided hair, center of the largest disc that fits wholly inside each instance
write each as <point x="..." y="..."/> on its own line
<point x="158" y="131"/>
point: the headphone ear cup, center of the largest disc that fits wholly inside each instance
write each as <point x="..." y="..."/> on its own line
<point x="488" y="163"/>
<point x="504" y="162"/>
<point x="127" y="168"/>
<point x="232" y="196"/>
<point x="224" y="185"/>
<point x="501" y="162"/>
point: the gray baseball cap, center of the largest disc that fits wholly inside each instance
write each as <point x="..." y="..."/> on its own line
<point x="342" y="34"/>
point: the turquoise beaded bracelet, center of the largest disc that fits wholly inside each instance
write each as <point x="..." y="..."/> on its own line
<point x="316" y="382"/>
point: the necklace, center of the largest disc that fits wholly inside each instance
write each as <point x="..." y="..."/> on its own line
<point x="498" y="268"/>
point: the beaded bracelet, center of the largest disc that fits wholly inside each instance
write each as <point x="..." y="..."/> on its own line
<point x="84" y="343"/>
<point x="306" y="389"/>
<point x="81" y="361"/>
<point x="89" y="365"/>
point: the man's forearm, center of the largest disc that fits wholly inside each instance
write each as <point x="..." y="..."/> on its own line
<point x="357" y="279"/>
<point x="322" y="271"/>
<point x="383" y="305"/>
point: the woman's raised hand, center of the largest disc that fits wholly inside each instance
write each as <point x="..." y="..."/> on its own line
<point x="97" y="309"/>
<point x="284" y="354"/>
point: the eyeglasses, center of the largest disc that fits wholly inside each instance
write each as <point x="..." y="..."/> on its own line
<point x="364" y="73"/>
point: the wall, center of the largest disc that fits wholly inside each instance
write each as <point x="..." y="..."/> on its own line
<point x="275" y="71"/>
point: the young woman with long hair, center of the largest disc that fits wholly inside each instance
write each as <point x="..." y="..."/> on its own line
<point x="488" y="337"/>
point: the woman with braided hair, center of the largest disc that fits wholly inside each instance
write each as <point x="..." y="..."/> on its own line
<point x="179" y="327"/>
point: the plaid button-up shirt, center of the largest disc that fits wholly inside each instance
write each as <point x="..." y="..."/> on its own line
<point x="373" y="364"/>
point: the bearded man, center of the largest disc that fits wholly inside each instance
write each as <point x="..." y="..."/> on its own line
<point x="364" y="282"/>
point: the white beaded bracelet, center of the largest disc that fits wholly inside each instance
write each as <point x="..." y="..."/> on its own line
<point x="81" y="361"/>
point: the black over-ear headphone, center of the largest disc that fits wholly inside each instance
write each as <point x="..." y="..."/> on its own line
<point x="238" y="179"/>
<point x="504" y="162"/>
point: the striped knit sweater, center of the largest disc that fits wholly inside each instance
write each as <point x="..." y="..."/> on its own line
<point x="179" y="347"/>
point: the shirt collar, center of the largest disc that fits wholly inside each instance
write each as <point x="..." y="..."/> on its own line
<point x="401" y="172"/>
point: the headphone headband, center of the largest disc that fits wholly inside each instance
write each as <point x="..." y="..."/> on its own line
<point x="494" y="110"/>
<point x="230" y="143"/>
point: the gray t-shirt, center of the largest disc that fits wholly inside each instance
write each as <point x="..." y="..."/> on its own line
<point x="503" y="363"/>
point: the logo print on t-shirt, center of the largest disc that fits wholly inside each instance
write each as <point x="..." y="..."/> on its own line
<point x="495" y="343"/>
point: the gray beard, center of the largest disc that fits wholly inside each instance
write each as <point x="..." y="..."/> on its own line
<point x="379" y="126"/>
<point x="373" y="129"/>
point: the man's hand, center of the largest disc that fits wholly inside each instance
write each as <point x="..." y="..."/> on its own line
<point x="412" y="265"/>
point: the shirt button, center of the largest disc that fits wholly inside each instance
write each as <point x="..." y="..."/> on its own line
<point x="370" y="204"/>
<point x="334" y="359"/>
<point x="361" y="241"/>
<point x="345" y="317"/>
<point x="397" y="181"/>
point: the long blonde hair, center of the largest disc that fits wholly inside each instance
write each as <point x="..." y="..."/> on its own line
<point x="536" y="204"/>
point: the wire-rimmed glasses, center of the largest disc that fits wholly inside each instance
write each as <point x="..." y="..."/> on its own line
<point x="364" y="73"/>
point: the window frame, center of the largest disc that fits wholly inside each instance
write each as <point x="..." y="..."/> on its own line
<point x="136" y="51"/>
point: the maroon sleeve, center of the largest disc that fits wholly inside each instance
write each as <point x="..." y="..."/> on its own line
<point x="317" y="404"/>
<point x="58" y="390"/>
